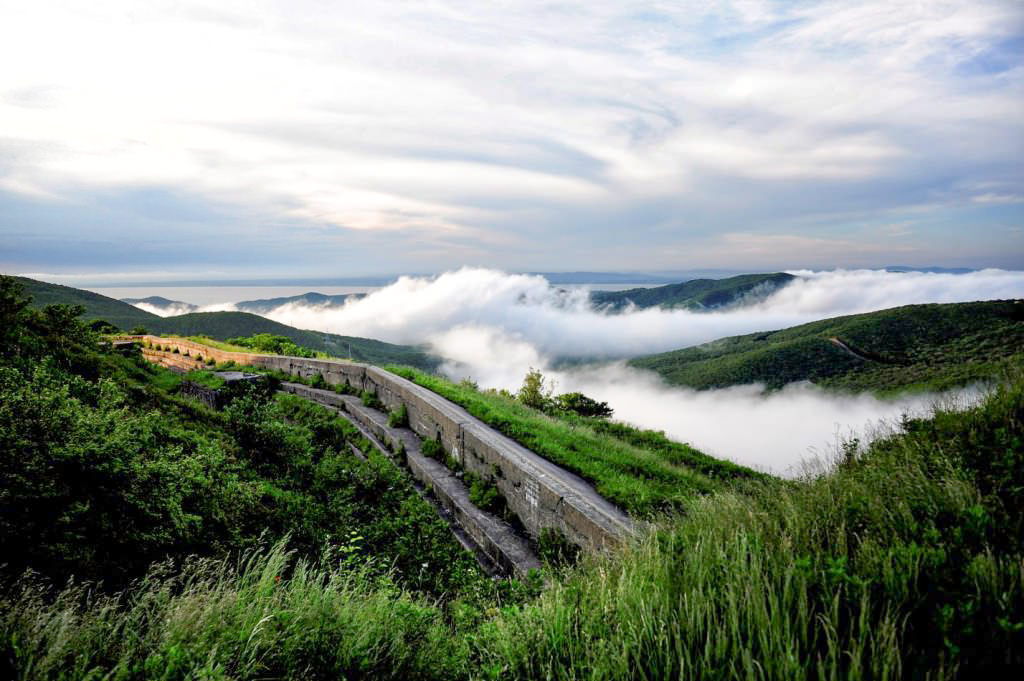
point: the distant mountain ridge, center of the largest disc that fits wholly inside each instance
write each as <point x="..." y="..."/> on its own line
<point x="696" y="294"/>
<point x="162" y="303"/>
<point x="935" y="346"/>
<point x="224" y="325"/>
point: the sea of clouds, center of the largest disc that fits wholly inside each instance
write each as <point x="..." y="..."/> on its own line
<point x="493" y="327"/>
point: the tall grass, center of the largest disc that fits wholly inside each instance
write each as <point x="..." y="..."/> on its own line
<point x="905" y="563"/>
<point x="268" y="615"/>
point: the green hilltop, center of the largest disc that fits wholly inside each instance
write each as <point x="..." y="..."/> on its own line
<point x="224" y="325"/>
<point x="696" y="294"/>
<point x="931" y="346"/>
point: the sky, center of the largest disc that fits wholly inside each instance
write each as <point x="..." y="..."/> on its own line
<point x="182" y="140"/>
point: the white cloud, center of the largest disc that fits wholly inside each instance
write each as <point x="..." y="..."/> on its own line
<point x="493" y="327"/>
<point x="382" y="116"/>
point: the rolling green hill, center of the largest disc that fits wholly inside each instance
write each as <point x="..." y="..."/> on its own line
<point x="934" y="346"/>
<point x="121" y="315"/>
<point x="697" y="294"/>
<point x="224" y="325"/>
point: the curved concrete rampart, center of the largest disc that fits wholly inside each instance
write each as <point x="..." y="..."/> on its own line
<point x="540" y="493"/>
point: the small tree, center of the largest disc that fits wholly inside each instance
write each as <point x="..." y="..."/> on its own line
<point x="534" y="393"/>
<point x="579" y="403"/>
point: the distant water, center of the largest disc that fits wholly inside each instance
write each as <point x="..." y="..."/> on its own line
<point x="214" y="295"/>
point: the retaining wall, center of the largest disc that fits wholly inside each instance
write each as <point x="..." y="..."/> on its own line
<point x="541" y="494"/>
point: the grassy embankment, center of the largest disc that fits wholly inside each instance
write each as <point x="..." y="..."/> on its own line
<point x="640" y="470"/>
<point x="922" y="347"/>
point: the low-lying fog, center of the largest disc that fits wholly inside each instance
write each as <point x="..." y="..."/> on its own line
<point x="492" y="327"/>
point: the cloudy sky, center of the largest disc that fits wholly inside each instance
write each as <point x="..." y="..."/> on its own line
<point x="178" y="140"/>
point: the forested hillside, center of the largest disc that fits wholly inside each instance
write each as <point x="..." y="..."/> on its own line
<point x="928" y="346"/>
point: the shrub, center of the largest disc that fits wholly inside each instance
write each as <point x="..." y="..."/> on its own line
<point x="534" y="393"/>
<point x="578" y="403"/>
<point x="433" y="449"/>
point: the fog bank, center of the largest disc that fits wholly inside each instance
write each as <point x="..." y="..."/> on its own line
<point x="492" y="327"/>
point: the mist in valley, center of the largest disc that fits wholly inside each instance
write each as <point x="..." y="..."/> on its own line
<point x="492" y="327"/>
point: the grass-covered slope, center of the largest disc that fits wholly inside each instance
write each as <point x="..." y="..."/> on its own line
<point x="223" y="325"/>
<point x="697" y="294"/>
<point x="930" y="346"/>
<point x="641" y="471"/>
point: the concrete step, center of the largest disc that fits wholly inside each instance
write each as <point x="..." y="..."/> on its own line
<point x="487" y="534"/>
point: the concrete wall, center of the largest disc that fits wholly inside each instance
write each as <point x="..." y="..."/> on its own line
<point x="541" y="494"/>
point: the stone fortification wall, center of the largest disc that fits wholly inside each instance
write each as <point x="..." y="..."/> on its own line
<point x="541" y="494"/>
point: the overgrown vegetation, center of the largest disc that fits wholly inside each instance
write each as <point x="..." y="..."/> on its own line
<point x="275" y="345"/>
<point x="931" y="347"/>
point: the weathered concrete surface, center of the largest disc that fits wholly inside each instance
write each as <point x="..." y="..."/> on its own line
<point x="541" y="494"/>
<point x="487" y="533"/>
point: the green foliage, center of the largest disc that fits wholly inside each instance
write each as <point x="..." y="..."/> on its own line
<point x="534" y="392"/>
<point x="96" y="306"/>
<point x="553" y="547"/>
<point x="371" y="400"/>
<point x="270" y="614"/>
<point x="484" y="494"/>
<point x="581" y="405"/>
<point x="273" y="344"/>
<point x="433" y="449"/>
<point x="918" y="346"/>
<point x="641" y="471"/>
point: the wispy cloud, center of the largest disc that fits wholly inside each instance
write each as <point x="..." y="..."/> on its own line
<point x="483" y="128"/>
